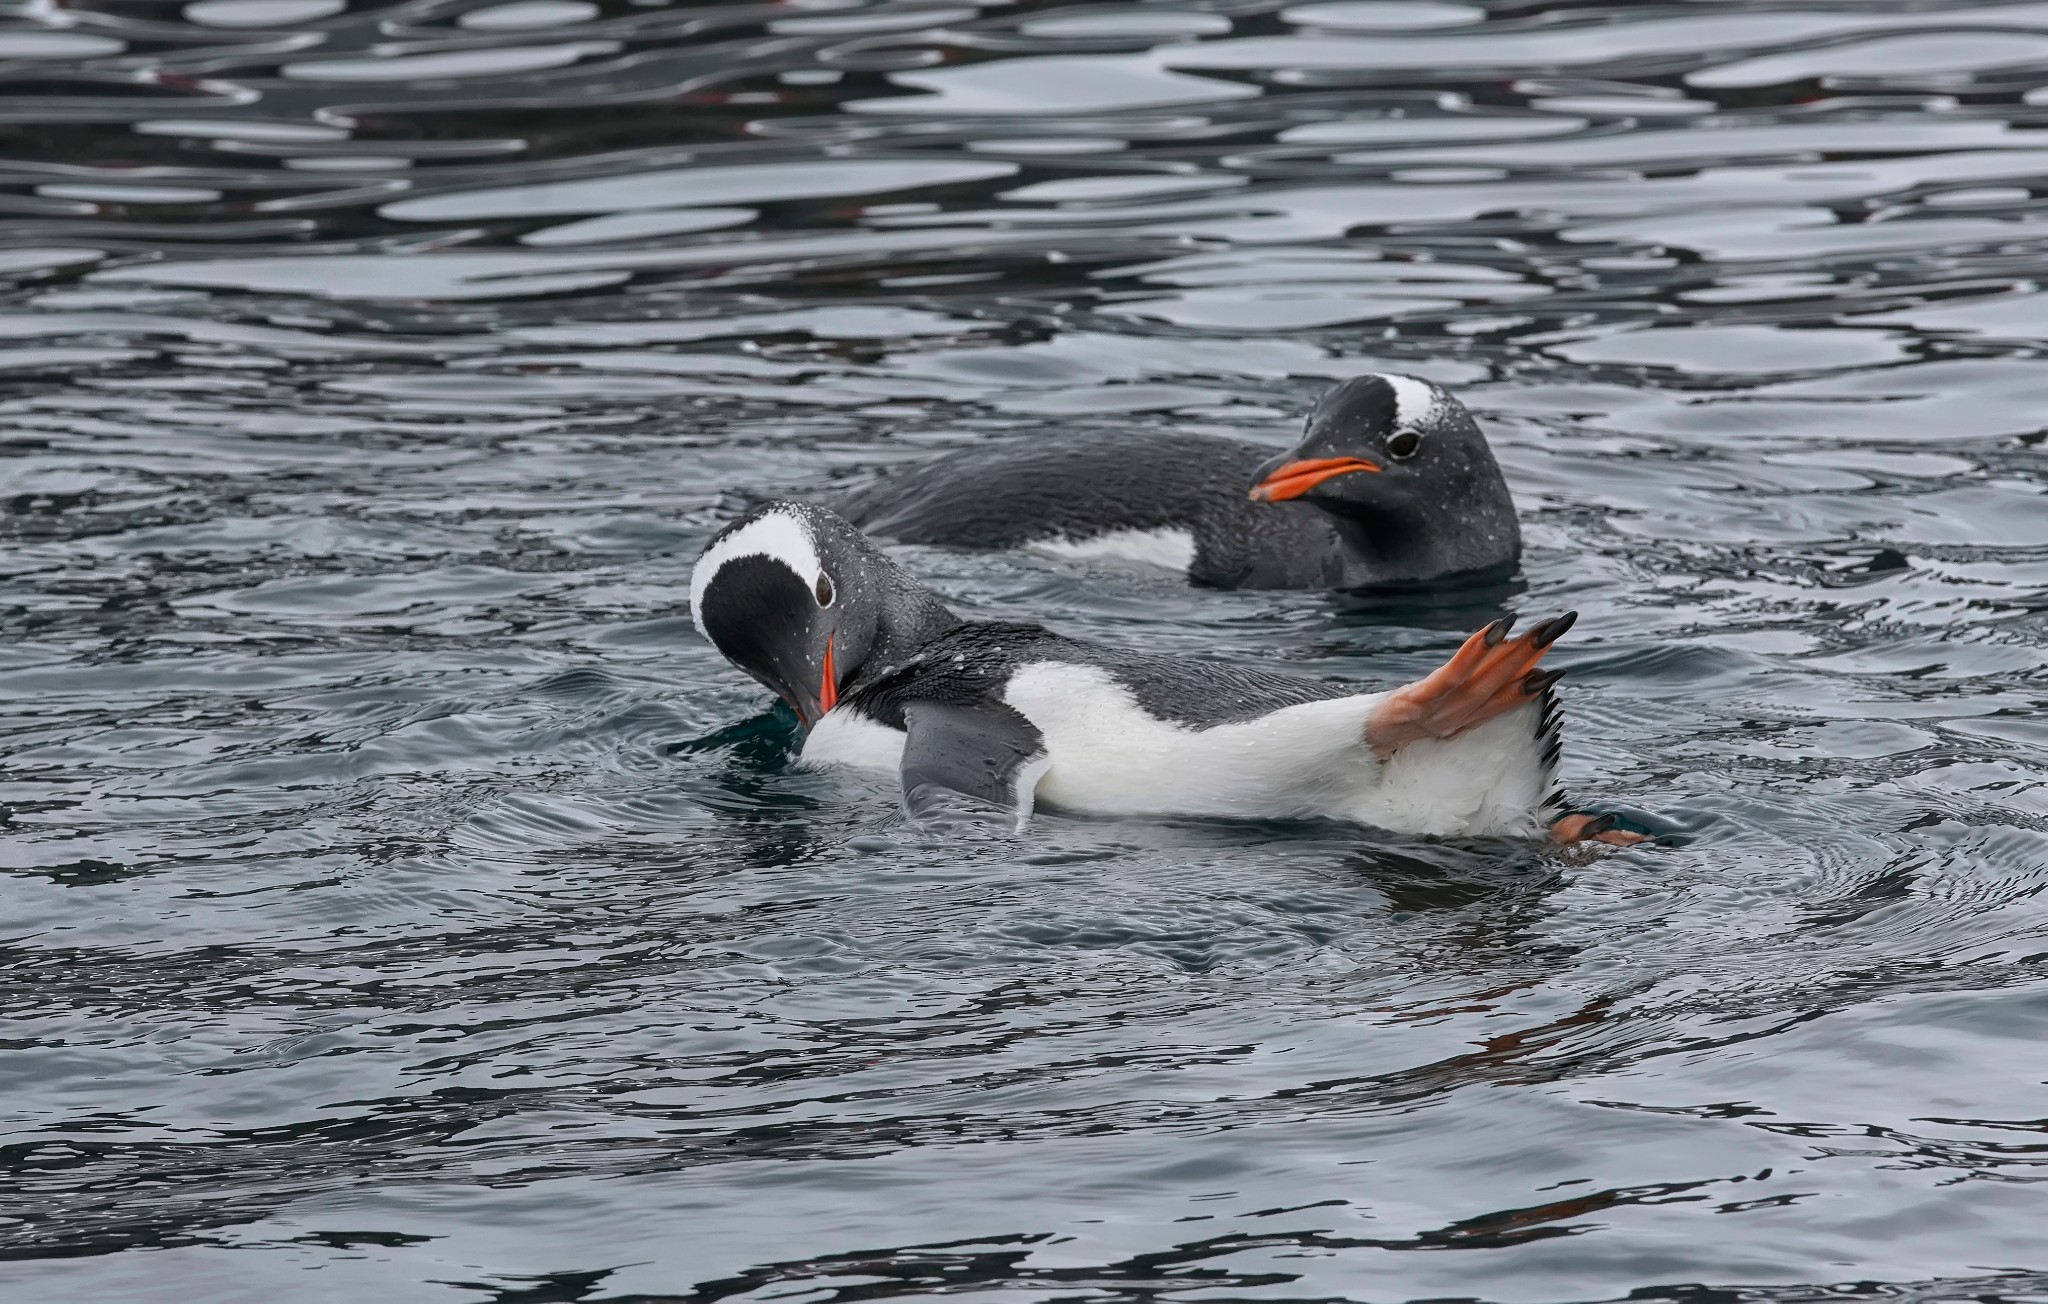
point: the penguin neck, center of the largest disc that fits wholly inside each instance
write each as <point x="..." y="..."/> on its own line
<point x="910" y="618"/>
<point x="1381" y="544"/>
<point x="1388" y="543"/>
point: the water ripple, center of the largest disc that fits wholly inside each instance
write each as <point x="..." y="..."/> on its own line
<point x="396" y="886"/>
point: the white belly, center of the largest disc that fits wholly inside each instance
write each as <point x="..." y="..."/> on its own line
<point x="844" y="738"/>
<point x="1169" y="549"/>
<point x="1110" y="756"/>
<point x="1106" y="755"/>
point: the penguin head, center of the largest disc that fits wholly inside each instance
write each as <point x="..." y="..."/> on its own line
<point x="1404" y="469"/>
<point x="802" y="601"/>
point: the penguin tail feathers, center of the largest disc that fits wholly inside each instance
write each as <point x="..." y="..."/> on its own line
<point x="1549" y="752"/>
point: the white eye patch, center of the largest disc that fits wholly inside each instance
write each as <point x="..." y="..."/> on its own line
<point x="781" y="535"/>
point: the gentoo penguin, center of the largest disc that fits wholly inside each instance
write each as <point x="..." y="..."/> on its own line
<point x="1392" y="482"/>
<point x="982" y="719"/>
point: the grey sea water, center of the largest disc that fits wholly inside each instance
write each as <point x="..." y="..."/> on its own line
<point x="402" y="903"/>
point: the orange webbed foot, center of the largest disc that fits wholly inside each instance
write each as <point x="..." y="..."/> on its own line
<point x="1489" y="676"/>
<point x="1580" y="827"/>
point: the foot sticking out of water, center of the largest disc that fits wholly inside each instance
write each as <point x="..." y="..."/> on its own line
<point x="1584" y="826"/>
<point x="1488" y="677"/>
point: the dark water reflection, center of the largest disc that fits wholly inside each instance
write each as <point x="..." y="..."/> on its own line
<point x="401" y="903"/>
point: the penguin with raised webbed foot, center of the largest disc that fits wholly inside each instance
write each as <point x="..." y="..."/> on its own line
<point x="986" y="720"/>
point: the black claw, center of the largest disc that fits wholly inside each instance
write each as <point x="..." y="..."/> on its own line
<point x="1605" y="824"/>
<point x="1553" y="629"/>
<point x="1536" y="681"/>
<point x="1498" y="630"/>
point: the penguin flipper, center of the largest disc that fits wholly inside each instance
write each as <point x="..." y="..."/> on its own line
<point x="966" y="765"/>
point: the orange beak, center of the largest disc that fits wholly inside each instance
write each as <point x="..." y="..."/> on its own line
<point x="1293" y="479"/>
<point x="828" y="688"/>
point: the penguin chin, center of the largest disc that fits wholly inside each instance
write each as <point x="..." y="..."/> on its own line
<point x="1390" y="530"/>
<point x="1374" y="512"/>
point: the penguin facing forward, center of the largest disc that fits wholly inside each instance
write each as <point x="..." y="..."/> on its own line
<point x="1392" y="483"/>
<point x="983" y="720"/>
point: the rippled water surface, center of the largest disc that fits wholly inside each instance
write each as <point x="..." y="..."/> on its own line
<point x="402" y="903"/>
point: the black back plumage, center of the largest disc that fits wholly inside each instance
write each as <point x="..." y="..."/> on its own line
<point x="1081" y="486"/>
<point x="971" y="664"/>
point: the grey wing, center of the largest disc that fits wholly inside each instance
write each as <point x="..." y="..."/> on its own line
<point x="969" y="764"/>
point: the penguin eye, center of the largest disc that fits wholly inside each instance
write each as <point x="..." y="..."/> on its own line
<point x="1404" y="445"/>
<point x="824" y="590"/>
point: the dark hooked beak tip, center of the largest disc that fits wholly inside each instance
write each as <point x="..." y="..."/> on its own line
<point x="1293" y="479"/>
<point x="811" y="706"/>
